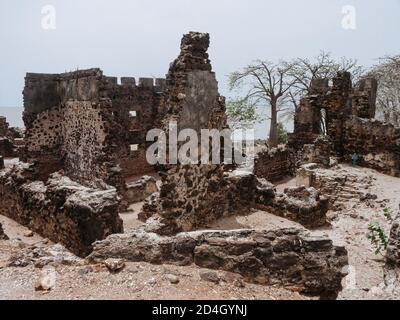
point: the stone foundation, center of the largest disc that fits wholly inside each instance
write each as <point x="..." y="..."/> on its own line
<point x="60" y="209"/>
<point x="287" y="257"/>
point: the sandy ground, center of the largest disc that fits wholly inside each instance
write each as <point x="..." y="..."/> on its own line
<point x="144" y="281"/>
<point x="349" y="228"/>
<point x="136" y="281"/>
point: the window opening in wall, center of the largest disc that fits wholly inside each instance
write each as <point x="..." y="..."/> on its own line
<point x="323" y="123"/>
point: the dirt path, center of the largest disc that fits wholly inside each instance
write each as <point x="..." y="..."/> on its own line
<point x="349" y="228"/>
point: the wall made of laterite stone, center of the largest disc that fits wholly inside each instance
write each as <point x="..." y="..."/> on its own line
<point x="86" y="123"/>
<point x="67" y="125"/>
<point x="139" y="109"/>
<point x="287" y="257"/>
<point x="376" y="143"/>
<point x="192" y="195"/>
<point x="274" y="164"/>
<point x="84" y="137"/>
<point x="3" y="127"/>
<point x="7" y="147"/>
<point x="349" y="125"/>
<point x="59" y="209"/>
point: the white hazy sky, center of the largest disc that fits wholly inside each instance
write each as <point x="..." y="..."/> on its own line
<point x="141" y="38"/>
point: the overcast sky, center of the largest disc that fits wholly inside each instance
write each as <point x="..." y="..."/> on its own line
<point x="141" y="38"/>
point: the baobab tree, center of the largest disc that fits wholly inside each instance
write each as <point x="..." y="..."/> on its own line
<point x="267" y="85"/>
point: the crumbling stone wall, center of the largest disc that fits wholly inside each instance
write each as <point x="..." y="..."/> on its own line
<point x="324" y="109"/>
<point x="140" y="190"/>
<point x="7" y="147"/>
<point x="376" y="143"/>
<point x="347" y="114"/>
<point x="274" y="164"/>
<point x="3" y="127"/>
<point x="141" y="107"/>
<point x="192" y="195"/>
<point x="286" y="257"/>
<point x="67" y="124"/>
<point x="85" y="123"/>
<point x="364" y="98"/>
<point x="319" y="152"/>
<point x="306" y="206"/>
<point x="59" y="209"/>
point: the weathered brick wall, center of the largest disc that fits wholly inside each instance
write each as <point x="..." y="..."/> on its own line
<point x="193" y="196"/>
<point x="59" y="209"/>
<point x="274" y="164"/>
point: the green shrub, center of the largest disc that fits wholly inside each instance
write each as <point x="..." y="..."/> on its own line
<point x="377" y="235"/>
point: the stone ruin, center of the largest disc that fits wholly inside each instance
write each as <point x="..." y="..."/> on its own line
<point x="83" y="162"/>
<point x="88" y="125"/>
<point x="345" y="115"/>
<point x="335" y="120"/>
<point x="8" y="149"/>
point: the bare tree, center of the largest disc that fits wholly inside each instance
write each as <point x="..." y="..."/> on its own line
<point x="323" y="66"/>
<point x="387" y="72"/>
<point x="267" y="85"/>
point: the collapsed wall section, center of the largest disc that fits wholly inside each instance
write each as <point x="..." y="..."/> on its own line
<point x="377" y="144"/>
<point x="59" y="209"/>
<point x="286" y="257"/>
